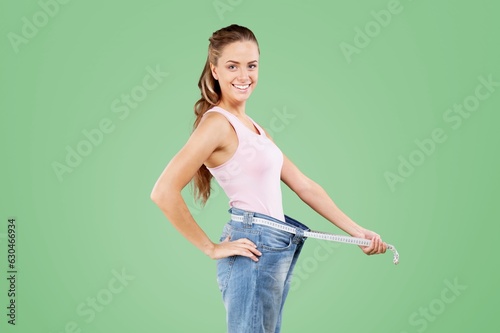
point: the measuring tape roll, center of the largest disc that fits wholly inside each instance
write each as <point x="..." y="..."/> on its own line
<point x="318" y="234"/>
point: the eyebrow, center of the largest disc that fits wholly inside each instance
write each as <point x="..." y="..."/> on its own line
<point x="238" y="62"/>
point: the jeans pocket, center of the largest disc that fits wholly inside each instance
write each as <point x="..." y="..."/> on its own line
<point x="274" y="240"/>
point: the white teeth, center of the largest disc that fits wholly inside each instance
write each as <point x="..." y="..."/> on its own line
<point x="241" y="87"/>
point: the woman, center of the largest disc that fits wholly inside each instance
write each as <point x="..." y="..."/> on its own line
<point x="254" y="260"/>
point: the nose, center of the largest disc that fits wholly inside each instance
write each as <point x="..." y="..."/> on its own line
<point x="243" y="74"/>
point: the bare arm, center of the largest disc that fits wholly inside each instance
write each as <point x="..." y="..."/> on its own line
<point x="316" y="197"/>
<point x="208" y="136"/>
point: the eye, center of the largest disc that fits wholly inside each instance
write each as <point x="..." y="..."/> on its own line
<point x="231" y="67"/>
<point x="253" y="66"/>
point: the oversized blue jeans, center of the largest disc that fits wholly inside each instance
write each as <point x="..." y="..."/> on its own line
<point x="254" y="292"/>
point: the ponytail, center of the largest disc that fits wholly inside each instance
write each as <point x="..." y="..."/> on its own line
<point x="210" y="96"/>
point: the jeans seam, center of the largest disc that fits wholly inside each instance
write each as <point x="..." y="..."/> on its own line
<point x="227" y="274"/>
<point x="255" y="298"/>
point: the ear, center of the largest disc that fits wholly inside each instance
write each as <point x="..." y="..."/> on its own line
<point x="213" y="69"/>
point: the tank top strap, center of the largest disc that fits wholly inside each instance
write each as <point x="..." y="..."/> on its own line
<point x="259" y="128"/>
<point x="235" y="122"/>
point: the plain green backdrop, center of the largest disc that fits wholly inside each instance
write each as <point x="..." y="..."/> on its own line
<point x="352" y="93"/>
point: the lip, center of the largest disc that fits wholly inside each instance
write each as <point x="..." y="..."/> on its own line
<point x="242" y="90"/>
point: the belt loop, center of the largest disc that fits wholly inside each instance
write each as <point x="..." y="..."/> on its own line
<point x="299" y="236"/>
<point x="247" y="219"/>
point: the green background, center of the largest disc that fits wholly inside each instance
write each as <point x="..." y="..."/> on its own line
<point x="349" y="123"/>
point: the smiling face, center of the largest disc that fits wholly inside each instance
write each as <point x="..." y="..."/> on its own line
<point x="237" y="72"/>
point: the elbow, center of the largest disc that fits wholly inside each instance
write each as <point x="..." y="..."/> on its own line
<point x="158" y="194"/>
<point x="154" y="197"/>
<point x="306" y="187"/>
<point x="163" y="196"/>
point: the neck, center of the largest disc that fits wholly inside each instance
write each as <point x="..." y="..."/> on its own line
<point x="238" y="109"/>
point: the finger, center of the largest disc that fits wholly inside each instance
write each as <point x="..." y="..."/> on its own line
<point x="248" y="244"/>
<point x="381" y="246"/>
<point x="250" y="247"/>
<point x="247" y="241"/>
<point x="243" y="247"/>
<point x="248" y="253"/>
<point x="368" y="249"/>
<point x="375" y="245"/>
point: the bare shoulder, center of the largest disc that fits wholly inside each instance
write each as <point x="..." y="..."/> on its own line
<point x="212" y="132"/>
<point x="214" y="122"/>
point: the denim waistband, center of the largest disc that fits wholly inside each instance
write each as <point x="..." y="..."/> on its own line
<point x="288" y="220"/>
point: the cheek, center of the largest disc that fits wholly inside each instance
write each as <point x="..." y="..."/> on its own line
<point x="225" y="80"/>
<point x="255" y="79"/>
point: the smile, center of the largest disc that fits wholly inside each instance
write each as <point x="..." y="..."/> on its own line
<point x="241" y="87"/>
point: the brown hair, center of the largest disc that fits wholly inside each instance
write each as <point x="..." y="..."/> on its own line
<point x="211" y="93"/>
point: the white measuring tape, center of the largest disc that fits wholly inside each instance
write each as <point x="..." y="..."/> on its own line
<point x="318" y="234"/>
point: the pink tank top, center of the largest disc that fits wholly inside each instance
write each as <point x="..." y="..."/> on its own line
<point x="251" y="178"/>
